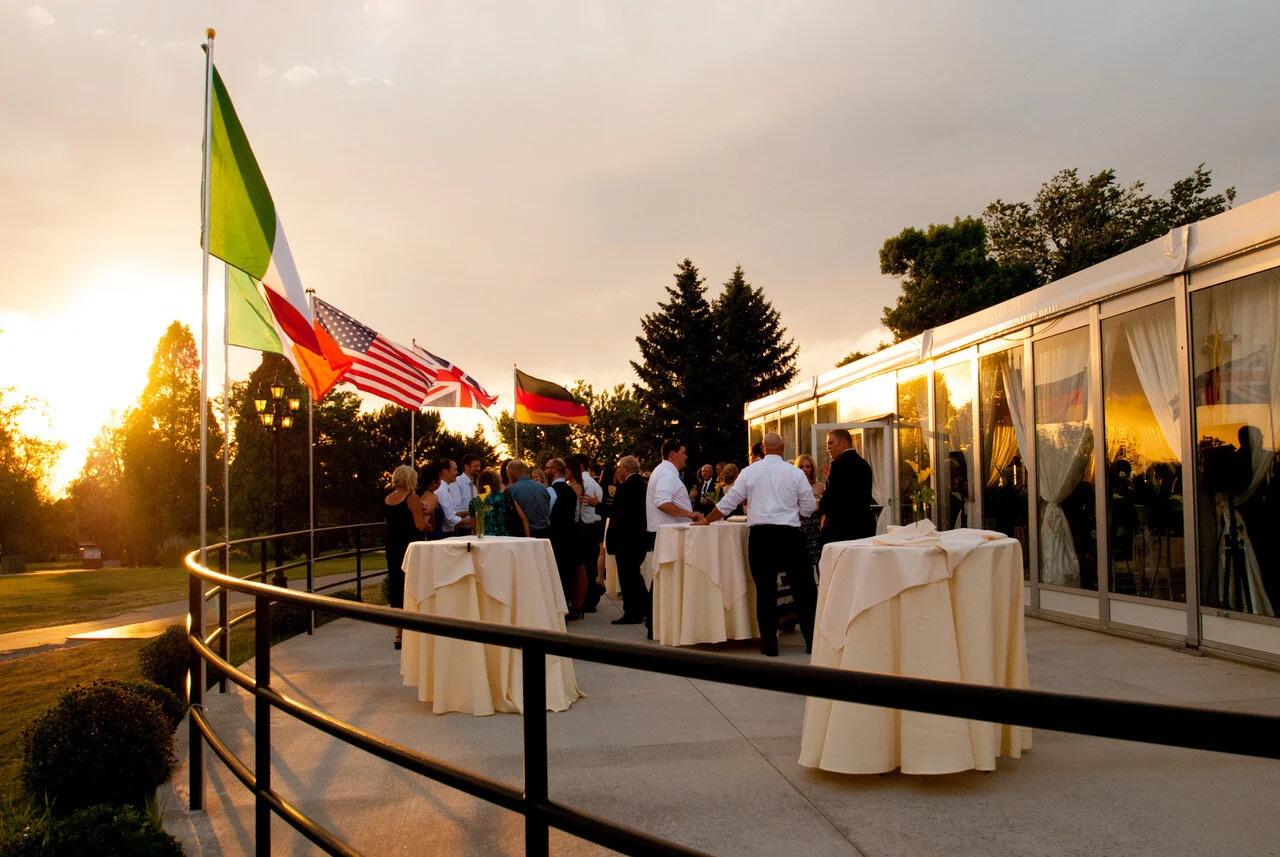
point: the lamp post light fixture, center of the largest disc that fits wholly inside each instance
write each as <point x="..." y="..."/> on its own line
<point x="277" y="413"/>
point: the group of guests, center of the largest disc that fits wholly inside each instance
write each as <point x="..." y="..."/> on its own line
<point x="791" y="515"/>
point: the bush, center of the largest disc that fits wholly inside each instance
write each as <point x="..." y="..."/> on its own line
<point x="164" y="660"/>
<point x="99" y="743"/>
<point x="24" y="830"/>
<point x="172" y="551"/>
<point x="170" y="703"/>
<point x="111" y="831"/>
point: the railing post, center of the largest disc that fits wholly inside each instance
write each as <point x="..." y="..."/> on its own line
<point x="195" y="690"/>
<point x="536" y="834"/>
<point x="311" y="580"/>
<point x="359" y="581"/>
<point x="262" y="725"/>
<point x="224" y="620"/>
<point x="263" y="543"/>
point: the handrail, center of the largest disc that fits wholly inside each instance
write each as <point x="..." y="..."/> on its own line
<point x="1152" y="723"/>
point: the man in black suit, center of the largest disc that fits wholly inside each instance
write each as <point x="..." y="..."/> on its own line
<point x="563" y="533"/>
<point x="629" y="539"/>
<point x="703" y="494"/>
<point x="846" y="503"/>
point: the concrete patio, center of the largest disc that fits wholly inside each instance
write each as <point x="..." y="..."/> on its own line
<point x="714" y="767"/>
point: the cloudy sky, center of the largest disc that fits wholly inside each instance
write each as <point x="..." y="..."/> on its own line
<point x="515" y="182"/>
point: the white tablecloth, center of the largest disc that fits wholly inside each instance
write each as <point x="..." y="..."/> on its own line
<point x="502" y="579"/>
<point x="951" y="612"/>
<point x="702" y="587"/>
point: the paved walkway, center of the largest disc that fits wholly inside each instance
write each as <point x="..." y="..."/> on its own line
<point x="714" y="766"/>
<point x="143" y="623"/>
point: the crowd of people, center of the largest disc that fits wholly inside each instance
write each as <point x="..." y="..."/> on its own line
<point x="587" y="512"/>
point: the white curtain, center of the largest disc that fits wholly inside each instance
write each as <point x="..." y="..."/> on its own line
<point x="1064" y="446"/>
<point x="876" y="443"/>
<point x="1014" y="394"/>
<point x="1153" y="346"/>
<point x="1246" y="315"/>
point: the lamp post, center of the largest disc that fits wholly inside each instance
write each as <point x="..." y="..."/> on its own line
<point x="277" y="413"/>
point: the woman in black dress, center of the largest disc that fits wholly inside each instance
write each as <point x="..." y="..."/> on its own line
<point x="405" y="523"/>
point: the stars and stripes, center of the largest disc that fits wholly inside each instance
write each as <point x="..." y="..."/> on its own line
<point x="453" y="387"/>
<point x="379" y="366"/>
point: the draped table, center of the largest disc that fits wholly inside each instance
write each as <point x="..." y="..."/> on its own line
<point x="917" y="602"/>
<point x="702" y="586"/>
<point x="501" y="579"/>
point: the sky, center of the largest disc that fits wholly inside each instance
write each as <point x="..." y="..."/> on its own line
<point x="513" y="182"/>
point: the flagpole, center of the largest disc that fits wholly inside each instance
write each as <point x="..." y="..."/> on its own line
<point x="226" y="415"/>
<point x="515" y="416"/>
<point x="204" y="298"/>
<point x="413" y="445"/>
<point x="311" y="480"/>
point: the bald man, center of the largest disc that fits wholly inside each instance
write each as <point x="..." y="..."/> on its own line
<point x="777" y="494"/>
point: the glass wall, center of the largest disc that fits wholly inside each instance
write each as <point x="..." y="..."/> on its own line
<point x="788" y="432"/>
<point x="1141" y="411"/>
<point x="1235" y="344"/>
<point x="953" y="395"/>
<point x="1064" y="461"/>
<point x="755" y="435"/>
<point x="1002" y="420"/>
<point x="915" y="468"/>
<point x="805" y="440"/>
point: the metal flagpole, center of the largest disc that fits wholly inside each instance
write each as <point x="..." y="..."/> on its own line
<point x="515" y="414"/>
<point x="226" y="414"/>
<point x="204" y="296"/>
<point x="311" y="477"/>
<point x="413" y="445"/>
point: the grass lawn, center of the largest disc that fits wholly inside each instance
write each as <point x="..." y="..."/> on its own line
<point x="33" y="683"/>
<point x="38" y="601"/>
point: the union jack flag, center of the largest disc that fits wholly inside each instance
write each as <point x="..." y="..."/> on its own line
<point x="453" y="388"/>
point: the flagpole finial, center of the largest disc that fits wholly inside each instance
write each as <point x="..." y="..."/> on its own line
<point x="210" y="32"/>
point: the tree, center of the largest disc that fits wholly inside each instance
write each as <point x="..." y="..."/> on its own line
<point x="160" y="450"/>
<point x="855" y="356"/>
<point x="1073" y="224"/>
<point x="946" y="274"/>
<point x="754" y="359"/>
<point x="537" y="443"/>
<point x="97" y="494"/>
<point x="617" y="425"/>
<point x="26" y="466"/>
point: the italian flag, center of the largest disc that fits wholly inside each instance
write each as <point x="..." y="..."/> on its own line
<point x="543" y="403"/>
<point x="246" y="233"/>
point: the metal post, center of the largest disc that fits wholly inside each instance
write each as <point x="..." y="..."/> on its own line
<point x="224" y="620"/>
<point x="359" y="579"/>
<point x="263" y="557"/>
<point x="279" y="508"/>
<point x="536" y="834"/>
<point x="262" y="726"/>
<point x="195" y="690"/>
<point x="311" y="614"/>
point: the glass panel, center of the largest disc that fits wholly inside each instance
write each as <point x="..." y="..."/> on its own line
<point x="915" y="470"/>
<point x="1064" y="461"/>
<point x="806" y="430"/>
<point x="1235" y="330"/>
<point x="953" y="394"/>
<point x="754" y="436"/>
<point x="1141" y="411"/>
<point x="1002" y="418"/>
<point x="771" y="425"/>
<point x="788" y="431"/>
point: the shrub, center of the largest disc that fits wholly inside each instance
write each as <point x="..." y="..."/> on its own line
<point x="170" y="703"/>
<point x="111" y="831"/>
<point x="173" y="550"/>
<point x="99" y="743"/>
<point x="164" y="660"/>
<point x="24" y="830"/>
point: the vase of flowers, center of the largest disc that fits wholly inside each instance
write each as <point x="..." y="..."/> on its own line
<point x="481" y="509"/>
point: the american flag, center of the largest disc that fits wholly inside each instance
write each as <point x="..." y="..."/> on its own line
<point x="379" y="366"/>
<point x="453" y="387"/>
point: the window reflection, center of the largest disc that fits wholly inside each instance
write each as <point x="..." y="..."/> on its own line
<point x="1235" y="328"/>
<point x="1002" y="413"/>
<point x="806" y="430"/>
<point x="953" y="392"/>
<point x="1064" y="461"/>
<point x="915" y="469"/>
<point x="1144" y="470"/>
<point x="788" y="432"/>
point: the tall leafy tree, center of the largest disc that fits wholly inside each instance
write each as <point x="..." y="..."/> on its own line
<point x="678" y="381"/>
<point x="26" y="466"/>
<point x="617" y="428"/>
<point x="946" y="274"/>
<point x="537" y="443"/>
<point x="161" y="450"/>
<point x="1074" y="223"/>
<point x="97" y="494"/>
<point x="754" y="360"/>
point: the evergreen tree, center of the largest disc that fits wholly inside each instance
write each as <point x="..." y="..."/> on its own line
<point x="678" y="381"/>
<point x="160" y="450"/>
<point x="754" y="360"/>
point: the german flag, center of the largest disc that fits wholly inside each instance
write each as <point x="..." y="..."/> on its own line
<point x="542" y="403"/>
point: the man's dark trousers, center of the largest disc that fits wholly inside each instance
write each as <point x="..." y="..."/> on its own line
<point x="772" y="549"/>
<point x="637" y="600"/>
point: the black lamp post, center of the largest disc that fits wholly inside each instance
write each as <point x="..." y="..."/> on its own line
<point x="277" y="413"/>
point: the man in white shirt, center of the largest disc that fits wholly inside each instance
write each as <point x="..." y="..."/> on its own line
<point x="592" y="527"/>
<point x="777" y="494"/>
<point x="448" y="499"/>
<point x="666" y="499"/>
<point x="464" y="488"/>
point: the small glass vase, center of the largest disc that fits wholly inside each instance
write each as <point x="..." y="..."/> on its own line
<point x="479" y="523"/>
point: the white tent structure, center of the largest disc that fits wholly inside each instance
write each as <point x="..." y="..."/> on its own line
<point x="1121" y="422"/>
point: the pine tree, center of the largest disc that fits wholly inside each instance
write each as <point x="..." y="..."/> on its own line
<point x="755" y="359"/>
<point x="678" y="380"/>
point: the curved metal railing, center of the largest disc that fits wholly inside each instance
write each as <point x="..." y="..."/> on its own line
<point x="1151" y="723"/>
